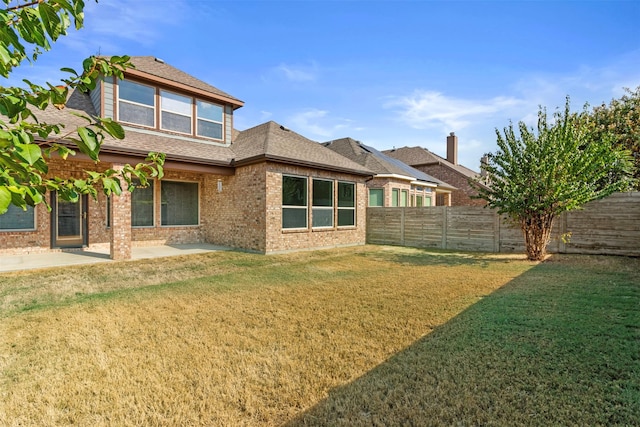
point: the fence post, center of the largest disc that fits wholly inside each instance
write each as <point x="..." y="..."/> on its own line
<point x="444" y="227"/>
<point x="496" y="232"/>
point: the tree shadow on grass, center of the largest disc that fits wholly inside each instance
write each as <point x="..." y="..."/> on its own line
<point x="535" y="352"/>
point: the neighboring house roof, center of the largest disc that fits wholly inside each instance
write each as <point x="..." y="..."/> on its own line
<point x="419" y="156"/>
<point x="379" y="162"/>
<point x="159" y="69"/>
<point x="271" y="141"/>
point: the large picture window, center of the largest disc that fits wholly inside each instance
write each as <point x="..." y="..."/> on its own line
<point x="136" y="103"/>
<point x="322" y="206"/>
<point x="142" y="206"/>
<point x="376" y="197"/>
<point x="17" y="219"/>
<point x="346" y="204"/>
<point x="294" y="202"/>
<point x="179" y="203"/>
<point x="175" y="112"/>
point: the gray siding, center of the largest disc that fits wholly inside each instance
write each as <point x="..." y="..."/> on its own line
<point x="228" y="124"/>
<point x="108" y="100"/>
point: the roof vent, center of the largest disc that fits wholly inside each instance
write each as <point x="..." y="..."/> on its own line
<point x="159" y="60"/>
<point x="284" y="128"/>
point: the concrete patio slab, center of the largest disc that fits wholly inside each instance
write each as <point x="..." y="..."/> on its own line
<point x="81" y="257"/>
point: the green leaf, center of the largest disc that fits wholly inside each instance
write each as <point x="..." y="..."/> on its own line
<point x="30" y="153"/>
<point x="112" y="128"/>
<point x="5" y="199"/>
<point x="88" y="143"/>
<point x="50" y="20"/>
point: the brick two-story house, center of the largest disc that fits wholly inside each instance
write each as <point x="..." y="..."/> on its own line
<point x="265" y="189"/>
<point x="448" y="169"/>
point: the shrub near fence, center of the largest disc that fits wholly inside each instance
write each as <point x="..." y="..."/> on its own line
<point x="609" y="226"/>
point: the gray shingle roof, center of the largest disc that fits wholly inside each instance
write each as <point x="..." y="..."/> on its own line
<point x="379" y="162"/>
<point x="275" y="142"/>
<point x="417" y="156"/>
<point x="158" y="68"/>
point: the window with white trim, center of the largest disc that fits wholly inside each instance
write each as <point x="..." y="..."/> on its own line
<point x="322" y="203"/>
<point x="175" y="112"/>
<point x="209" y="119"/>
<point x="179" y="203"/>
<point x="395" y="197"/>
<point x="346" y="204"/>
<point x="294" y="202"/>
<point x="181" y="113"/>
<point x="376" y="197"/>
<point x="136" y="103"/>
<point x="17" y="219"/>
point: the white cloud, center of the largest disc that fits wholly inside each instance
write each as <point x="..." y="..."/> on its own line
<point x="428" y="109"/>
<point x="316" y="123"/>
<point x="298" y="73"/>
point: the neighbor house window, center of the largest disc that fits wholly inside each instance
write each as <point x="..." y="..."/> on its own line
<point x="322" y="203"/>
<point x="209" y="121"/>
<point x="376" y="197"/>
<point x="419" y="199"/>
<point x="395" y="197"/>
<point x="175" y="112"/>
<point x="294" y="202"/>
<point x="136" y="103"/>
<point x="179" y="203"/>
<point x="346" y="204"/>
<point x="404" y="196"/>
<point x="142" y="206"/>
<point x="18" y="219"/>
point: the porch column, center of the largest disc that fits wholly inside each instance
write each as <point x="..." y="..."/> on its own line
<point x="121" y="222"/>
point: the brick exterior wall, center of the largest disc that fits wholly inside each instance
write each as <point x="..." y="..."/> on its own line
<point x="459" y="197"/>
<point x="246" y="214"/>
<point x="279" y="240"/>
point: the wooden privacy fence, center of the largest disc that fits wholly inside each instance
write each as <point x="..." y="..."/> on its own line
<point x="609" y="226"/>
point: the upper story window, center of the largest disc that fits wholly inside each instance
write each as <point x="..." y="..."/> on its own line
<point x="209" y="119"/>
<point x="148" y="106"/>
<point x="136" y="103"/>
<point x="175" y="112"/>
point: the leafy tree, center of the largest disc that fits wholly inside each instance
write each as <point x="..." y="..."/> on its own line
<point x="27" y="144"/>
<point x="620" y="120"/>
<point x="534" y="177"/>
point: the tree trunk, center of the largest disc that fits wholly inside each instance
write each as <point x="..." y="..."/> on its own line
<point x="537" y="234"/>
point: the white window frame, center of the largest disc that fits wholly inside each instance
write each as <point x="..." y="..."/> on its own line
<point x="162" y="109"/>
<point x="324" y="208"/>
<point x="345" y="208"/>
<point x="126" y="101"/>
<point x="221" y="123"/>
<point x="305" y="207"/>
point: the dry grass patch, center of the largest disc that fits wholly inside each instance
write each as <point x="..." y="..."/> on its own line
<point x="246" y="340"/>
<point x="340" y="337"/>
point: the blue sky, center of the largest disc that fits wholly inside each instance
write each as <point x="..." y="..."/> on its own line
<point x="387" y="73"/>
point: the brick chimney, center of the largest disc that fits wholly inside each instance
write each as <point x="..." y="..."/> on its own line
<point x="452" y="148"/>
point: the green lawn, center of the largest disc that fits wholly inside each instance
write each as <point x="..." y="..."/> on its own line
<point x="356" y="336"/>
